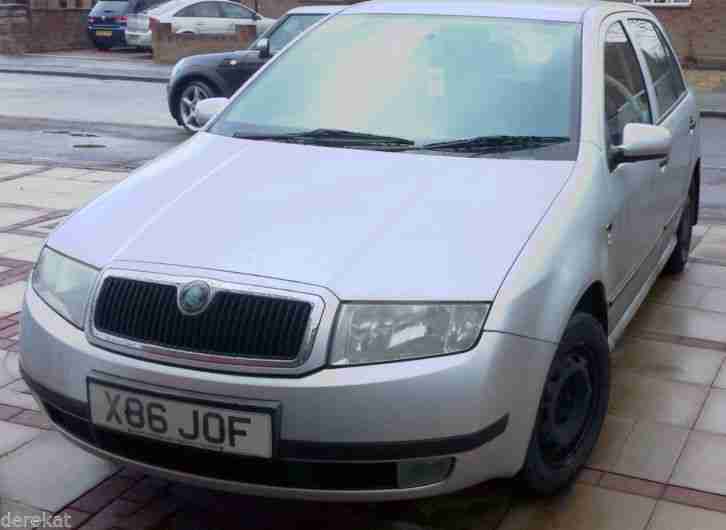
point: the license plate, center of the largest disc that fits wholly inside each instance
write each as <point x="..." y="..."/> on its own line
<point x="103" y="33"/>
<point x="181" y="422"/>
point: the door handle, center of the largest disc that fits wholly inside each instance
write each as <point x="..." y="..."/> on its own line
<point x="664" y="163"/>
<point x="692" y="123"/>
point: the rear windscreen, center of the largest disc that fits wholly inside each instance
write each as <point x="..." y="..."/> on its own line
<point x="109" y="8"/>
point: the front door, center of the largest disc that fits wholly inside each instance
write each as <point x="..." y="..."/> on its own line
<point x="634" y="228"/>
<point x="676" y="110"/>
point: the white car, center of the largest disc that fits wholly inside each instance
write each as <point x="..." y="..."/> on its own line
<point x="194" y="16"/>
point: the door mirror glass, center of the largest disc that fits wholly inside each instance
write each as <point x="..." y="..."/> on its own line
<point x="643" y="142"/>
<point x="263" y="46"/>
<point x="208" y="108"/>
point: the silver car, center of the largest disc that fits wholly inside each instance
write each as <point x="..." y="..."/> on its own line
<point x="396" y="277"/>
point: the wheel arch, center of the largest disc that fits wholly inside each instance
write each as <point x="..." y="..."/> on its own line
<point x="594" y="302"/>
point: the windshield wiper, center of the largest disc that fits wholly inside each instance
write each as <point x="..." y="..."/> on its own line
<point x="489" y="143"/>
<point x="330" y="137"/>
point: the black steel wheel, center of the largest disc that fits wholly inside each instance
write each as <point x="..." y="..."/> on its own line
<point x="572" y="408"/>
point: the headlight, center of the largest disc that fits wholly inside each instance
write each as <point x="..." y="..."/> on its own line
<point x="64" y="284"/>
<point x="375" y="333"/>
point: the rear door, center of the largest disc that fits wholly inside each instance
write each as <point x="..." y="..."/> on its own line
<point x="203" y="17"/>
<point x="675" y="109"/>
<point x="235" y="15"/>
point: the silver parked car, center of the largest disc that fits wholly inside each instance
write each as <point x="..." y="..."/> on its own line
<point x="398" y="277"/>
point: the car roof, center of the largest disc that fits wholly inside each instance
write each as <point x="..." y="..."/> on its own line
<point x="315" y="10"/>
<point x="550" y="10"/>
<point x="178" y="4"/>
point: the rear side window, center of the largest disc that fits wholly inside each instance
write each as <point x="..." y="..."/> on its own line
<point x="661" y="62"/>
<point x="235" y="11"/>
<point x="203" y="10"/>
<point x="626" y="99"/>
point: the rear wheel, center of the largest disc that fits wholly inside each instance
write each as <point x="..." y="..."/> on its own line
<point x="189" y="97"/>
<point x="572" y="408"/>
<point x="678" y="260"/>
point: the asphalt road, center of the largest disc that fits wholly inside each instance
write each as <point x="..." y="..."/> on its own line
<point x="75" y="121"/>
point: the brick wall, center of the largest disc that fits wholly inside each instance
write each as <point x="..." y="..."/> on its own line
<point x="698" y="31"/>
<point x="14" y="28"/>
<point x="58" y="29"/>
<point x="169" y="47"/>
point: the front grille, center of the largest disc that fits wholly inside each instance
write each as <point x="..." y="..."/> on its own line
<point x="234" y="324"/>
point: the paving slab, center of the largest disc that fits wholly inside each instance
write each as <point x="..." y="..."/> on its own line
<point x="15" y="509"/>
<point x="10" y="216"/>
<point x="13" y="436"/>
<point x="651" y="451"/>
<point x="702" y="465"/>
<point x="11" y="297"/>
<point x="680" y="321"/>
<point x="49" y="472"/>
<point x="671" y="516"/>
<point x="674" y="362"/>
<point x="11" y="170"/>
<point x="584" y="507"/>
<point x="656" y="400"/>
<point x="28" y="252"/>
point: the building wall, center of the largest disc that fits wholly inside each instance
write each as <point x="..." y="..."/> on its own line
<point x="14" y="28"/>
<point x="698" y="32"/>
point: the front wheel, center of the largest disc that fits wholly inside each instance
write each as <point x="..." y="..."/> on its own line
<point x="187" y="101"/>
<point x="572" y="408"/>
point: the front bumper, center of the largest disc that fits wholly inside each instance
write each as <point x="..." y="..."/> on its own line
<point x="478" y="407"/>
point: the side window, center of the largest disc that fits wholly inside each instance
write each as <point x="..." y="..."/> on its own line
<point x="626" y="99"/>
<point x="235" y="11"/>
<point x="203" y="10"/>
<point x="289" y="29"/>
<point x="186" y="12"/>
<point x="662" y="65"/>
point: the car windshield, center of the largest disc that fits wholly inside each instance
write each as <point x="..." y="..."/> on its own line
<point x="290" y="28"/>
<point x="422" y="79"/>
<point x="109" y="8"/>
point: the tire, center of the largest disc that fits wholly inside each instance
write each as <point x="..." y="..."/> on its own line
<point x="679" y="258"/>
<point x="572" y="408"/>
<point x="188" y="97"/>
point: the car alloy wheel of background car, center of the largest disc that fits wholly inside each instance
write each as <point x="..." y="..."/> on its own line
<point x="195" y="92"/>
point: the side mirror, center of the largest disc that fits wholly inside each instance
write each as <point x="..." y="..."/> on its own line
<point x="263" y="46"/>
<point x="642" y="142"/>
<point x="208" y="108"/>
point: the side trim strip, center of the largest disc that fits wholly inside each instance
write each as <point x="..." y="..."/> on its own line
<point x="370" y="451"/>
